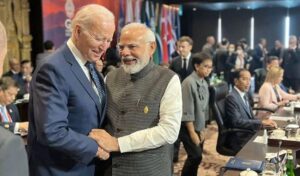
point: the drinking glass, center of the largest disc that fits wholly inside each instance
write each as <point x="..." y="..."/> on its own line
<point x="269" y="170"/>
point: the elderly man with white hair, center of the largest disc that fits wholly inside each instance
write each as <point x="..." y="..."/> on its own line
<point x="68" y="99"/>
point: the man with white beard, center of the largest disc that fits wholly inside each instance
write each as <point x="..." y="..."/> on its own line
<point x="144" y="109"/>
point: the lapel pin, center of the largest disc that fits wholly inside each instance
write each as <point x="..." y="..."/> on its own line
<point x="146" y="109"/>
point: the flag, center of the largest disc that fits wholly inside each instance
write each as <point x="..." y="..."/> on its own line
<point x="121" y="21"/>
<point x="164" y="34"/>
<point x="137" y="11"/>
<point x="129" y="12"/>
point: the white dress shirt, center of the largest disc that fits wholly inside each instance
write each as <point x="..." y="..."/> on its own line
<point x="81" y="61"/>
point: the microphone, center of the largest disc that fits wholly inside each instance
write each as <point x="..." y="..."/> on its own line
<point x="278" y="162"/>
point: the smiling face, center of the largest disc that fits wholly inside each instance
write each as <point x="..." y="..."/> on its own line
<point x="136" y="46"/>
<point x="93" y="27"/>
<point x="92" y="42"/>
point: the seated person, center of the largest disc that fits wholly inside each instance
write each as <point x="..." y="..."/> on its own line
<point x="238" y="112"/>
<point x="9" y="114"/>
<point x="271" y="95"/>
<point x="260" y="73"/>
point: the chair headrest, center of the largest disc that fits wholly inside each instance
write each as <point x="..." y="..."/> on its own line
<point x="219" y="91"/>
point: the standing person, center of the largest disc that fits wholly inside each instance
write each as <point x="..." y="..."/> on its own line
<point x="14" y="69"/>
<point x="144" y="109"/>
<point x="67" y="99"/>
<point x="182" y="63"/>
<point x="12" y="150"/>
<point x="48" y="49"/>
<point x="195" y="99"/>
<point x="291" y="65"/>
<point x="259" y="55"/>
<point x="209" y="46"/>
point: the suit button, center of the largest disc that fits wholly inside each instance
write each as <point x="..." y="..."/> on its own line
<point x="118" y="129"/>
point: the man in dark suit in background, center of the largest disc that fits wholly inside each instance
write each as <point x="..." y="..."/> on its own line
<point x="48" y="49"/>
<point x="9" y="114"/>
<point x="15" y="69"/>
<point x="239" y="112"/>
<point x="182" y="63"/>
<point x="68" y="99"/>
<point x="291" y="65"/>
<point x="259" y="54"/>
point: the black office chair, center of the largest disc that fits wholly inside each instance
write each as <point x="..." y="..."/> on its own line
<point x="218" y="93"/>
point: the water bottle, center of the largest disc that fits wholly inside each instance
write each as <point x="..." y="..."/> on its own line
<point x="290" y="164"/>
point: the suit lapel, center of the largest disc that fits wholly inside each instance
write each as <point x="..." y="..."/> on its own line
<point x="241" y="101"/>
<point x="79" y="74"/>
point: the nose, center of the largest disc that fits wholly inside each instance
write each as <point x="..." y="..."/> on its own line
<point x="125" y="52"/>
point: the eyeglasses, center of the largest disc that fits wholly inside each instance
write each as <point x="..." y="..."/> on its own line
<point x="99" y="40"/>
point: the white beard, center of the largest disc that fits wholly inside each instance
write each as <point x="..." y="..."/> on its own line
<point x="135" y="68"/>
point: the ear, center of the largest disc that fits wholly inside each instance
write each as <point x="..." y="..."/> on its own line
<point x="77" y="32"/>
<point x="196" y="66"/>
<point x="152" y="47"/>
<point x="235" y="81"/>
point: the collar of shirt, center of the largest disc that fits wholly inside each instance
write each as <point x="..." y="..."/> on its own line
<point x="78" y="57"/>
<point x="187" y="57"/>
<point x="240" y="92"/>
<point x="187" y="60"/>
<point x="14" y="72"/>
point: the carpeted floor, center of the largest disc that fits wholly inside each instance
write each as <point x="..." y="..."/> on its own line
<point x="212" y="161"/>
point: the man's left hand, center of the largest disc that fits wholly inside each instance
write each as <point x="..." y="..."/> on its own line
<point x="105" y="140"/>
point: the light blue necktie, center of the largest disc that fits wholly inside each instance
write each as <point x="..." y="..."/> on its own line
<point x="4" y="115"/>
<point x="96" y="80"/>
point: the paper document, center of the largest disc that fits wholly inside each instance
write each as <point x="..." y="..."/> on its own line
<point x="281" y="118"/>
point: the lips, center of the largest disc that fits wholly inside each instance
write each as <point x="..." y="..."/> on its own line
<point x="129" y="61"/>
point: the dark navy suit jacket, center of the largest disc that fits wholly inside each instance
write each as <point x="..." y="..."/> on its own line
<point x="63" y="109"/>
<point x="237" y="116"/>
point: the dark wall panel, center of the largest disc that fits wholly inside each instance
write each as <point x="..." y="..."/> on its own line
<point x="295" y="21"/>
<point x="236" y="25"/>
<point x="269" y="23"/>
<point x="198" y="25"/>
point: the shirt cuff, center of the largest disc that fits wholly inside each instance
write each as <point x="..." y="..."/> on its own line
<point x="16" y="128"/>
<point x="124" y="144"/>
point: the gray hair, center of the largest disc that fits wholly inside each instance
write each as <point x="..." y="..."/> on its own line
<point x="88" y="14"/>
<point x="148" y="33"/>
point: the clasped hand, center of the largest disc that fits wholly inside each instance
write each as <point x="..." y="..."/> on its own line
<point x="106" y="142"/>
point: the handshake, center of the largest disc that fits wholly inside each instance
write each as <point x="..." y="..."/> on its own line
<point x="106" y="143"/>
